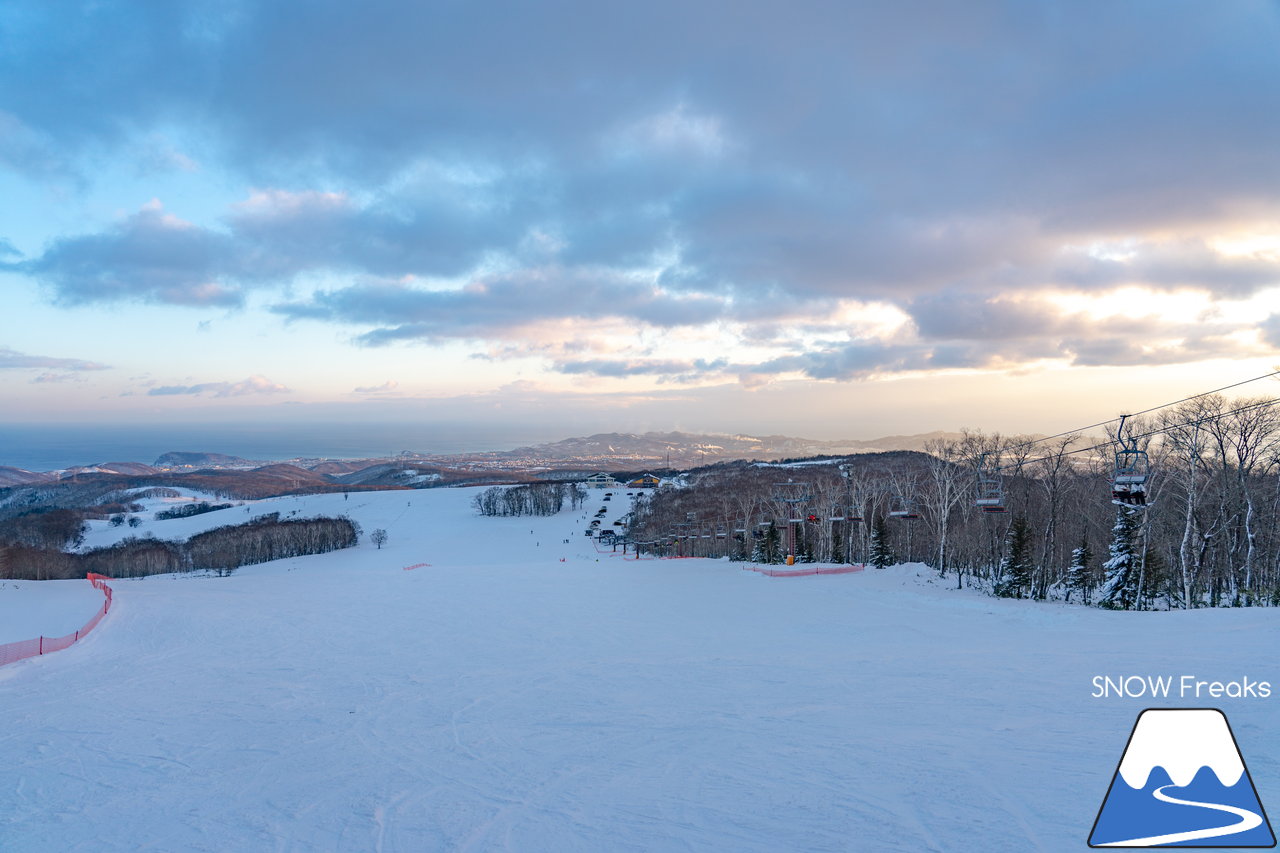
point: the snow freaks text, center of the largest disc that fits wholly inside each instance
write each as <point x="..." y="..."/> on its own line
<point x="1177" y="687"/>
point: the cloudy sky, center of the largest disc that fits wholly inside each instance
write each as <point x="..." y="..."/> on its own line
<point x="829" y="219"/>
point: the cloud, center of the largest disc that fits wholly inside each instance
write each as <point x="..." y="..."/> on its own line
<point x="149" y="256"/>
<point x="388" y="387"/>
<point x="28" y="151"/>
<point x="158" y="156"/>
<point x="52" y="378"/>
<point x="253" y="385"/>
<point x="445" y="178"/>
<point x="687" y="371"/>
<point x="269" y="239"/>
<point x="13" y="358"/>
<point x="959" y="315"/>
<point x="1187" y="262"/>
<point x="1270" y="329"/>
<point x="493" y="307"/>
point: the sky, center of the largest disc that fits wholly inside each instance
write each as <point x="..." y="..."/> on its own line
<point x="835" y="220"/>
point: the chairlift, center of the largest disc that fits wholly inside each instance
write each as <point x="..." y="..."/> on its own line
<point x="1129" y="482"/>
<point x="792" y="494"/>
<point x="990" y="490"/>
<point x="903" y="508"/>
<point x="1132" y="469"/>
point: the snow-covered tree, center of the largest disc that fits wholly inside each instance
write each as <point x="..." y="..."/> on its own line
<point x="1123" y="584"/>
<point x="1017" y="567"/>
<point x="378" y="537"/>
<point x="1080" y="572"/>
<point x="880" y="551"/>
<point x="767" y="548"/>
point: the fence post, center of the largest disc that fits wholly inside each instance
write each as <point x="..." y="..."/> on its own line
<point x="41" y="645"/>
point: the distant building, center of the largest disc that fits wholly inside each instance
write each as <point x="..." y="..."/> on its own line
<point x="645" y="481"/>
<point x="602" y="481"/>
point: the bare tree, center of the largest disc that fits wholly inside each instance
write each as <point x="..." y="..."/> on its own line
<point x="948" y="480"/>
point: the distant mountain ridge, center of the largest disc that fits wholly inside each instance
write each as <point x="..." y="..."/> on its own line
<point x="195" y="459"/>
<point x="700" y="448"/>
<point x="609" y="450"/>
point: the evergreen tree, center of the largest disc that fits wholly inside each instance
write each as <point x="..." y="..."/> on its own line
<point x="767" y="549"/>
<point x="881" y="552"/>
<point x="1080" y="572"/>
<point x="804" y="543"/>
<point x="1016" y="568"/>
<point x="1121" y="588"/>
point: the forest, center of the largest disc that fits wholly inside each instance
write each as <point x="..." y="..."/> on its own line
<point x="1207" y="533"/>
<point x="222" y="550"/>
<point x="531" y="499"/>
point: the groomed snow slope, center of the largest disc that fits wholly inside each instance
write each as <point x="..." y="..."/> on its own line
<point x="500" y="699"/>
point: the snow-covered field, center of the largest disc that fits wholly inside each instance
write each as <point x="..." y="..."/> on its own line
<point x="523" y="693"/>
<point x="29" y="609"/>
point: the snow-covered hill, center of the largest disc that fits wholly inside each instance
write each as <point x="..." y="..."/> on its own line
<point x="517" y="691"/>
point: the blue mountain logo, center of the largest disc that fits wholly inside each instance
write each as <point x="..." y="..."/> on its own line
<point x="1182" y="783"/>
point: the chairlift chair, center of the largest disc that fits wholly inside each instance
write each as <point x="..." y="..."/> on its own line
<point x="1129" y="481"/>
<point x="989" y="496"/>
<point x="903" y="508"/>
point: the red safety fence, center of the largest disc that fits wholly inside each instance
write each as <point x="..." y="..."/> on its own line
<point x="10" y="652"/>
<point x="795" y="573"/>
<point x="415" y="566"/>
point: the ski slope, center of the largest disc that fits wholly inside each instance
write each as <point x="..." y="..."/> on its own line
<point x="517" y="692"/>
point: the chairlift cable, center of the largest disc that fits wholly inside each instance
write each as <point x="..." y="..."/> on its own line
<point x="1136" y="414"/>
<point x="1149" y="433"/>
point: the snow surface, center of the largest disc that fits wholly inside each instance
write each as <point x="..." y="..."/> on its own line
<point x="30" y="609"/>
<point x="101" y="533"/>
<point x="496" y="697"/>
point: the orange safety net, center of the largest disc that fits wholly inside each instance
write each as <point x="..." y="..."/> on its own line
<point x="795" y="573"/>
<point x="10" y="652"/>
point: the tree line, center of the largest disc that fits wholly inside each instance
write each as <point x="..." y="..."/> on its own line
<point x="189" y="510"/>
<point x="531" y="499"/>
<point x="1208" y="536"/>
<point x="221" y="549"/>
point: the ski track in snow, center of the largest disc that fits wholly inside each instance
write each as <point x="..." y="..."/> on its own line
<point x="1248" y="820"/>
<point x="500" y="699"/>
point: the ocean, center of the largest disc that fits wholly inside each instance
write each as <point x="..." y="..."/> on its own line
<point x="49" y="447"/>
